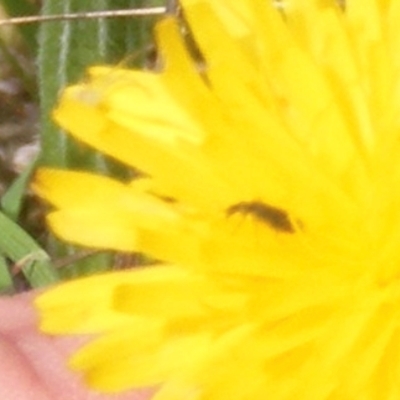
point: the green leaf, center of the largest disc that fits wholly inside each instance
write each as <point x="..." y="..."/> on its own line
<point x="25" y="253"/>
<point x="12" y="200"/>
<point x="6" y="282"/>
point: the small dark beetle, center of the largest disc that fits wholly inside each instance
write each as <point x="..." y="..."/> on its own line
<point x="273" y="216"/>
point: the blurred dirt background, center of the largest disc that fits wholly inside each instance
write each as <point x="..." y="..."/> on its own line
<point x="19" y="114"/>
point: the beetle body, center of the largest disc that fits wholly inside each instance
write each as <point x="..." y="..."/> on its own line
<point x="275" y="217"/>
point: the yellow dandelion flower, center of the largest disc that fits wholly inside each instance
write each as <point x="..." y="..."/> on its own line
<point x="272" y="198"/>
